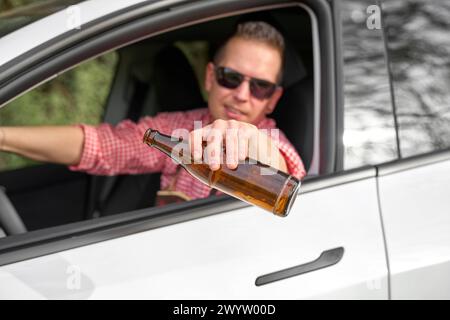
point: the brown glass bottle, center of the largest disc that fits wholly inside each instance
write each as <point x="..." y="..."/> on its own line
<point x="275" y="192"/>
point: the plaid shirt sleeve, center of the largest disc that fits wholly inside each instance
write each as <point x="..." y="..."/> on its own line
<point x="109" y="150"/>
<point x="293" y="161"/>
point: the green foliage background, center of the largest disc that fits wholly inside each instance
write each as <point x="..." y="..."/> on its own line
<point x="77" y="96"/>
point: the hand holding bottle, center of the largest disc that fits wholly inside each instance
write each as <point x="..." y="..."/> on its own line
<point x="239" y="141"/>
<point x="251" y="181"/>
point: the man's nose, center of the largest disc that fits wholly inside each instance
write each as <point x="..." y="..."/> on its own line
<point x="242" y="93"/>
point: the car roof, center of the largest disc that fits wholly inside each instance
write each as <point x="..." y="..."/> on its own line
<point x="34" y="34"/>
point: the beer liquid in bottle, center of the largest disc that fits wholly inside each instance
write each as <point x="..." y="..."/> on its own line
<point x="249" y="182"/>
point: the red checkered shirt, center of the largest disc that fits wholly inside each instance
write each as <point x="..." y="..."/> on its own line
<point x="110" y="150"/>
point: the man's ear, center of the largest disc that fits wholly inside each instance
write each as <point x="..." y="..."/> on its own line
<point x="209" y="76"/>
<point x="273" y="100"/>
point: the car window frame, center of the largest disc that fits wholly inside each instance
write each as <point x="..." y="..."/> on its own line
<point x="339" y="75"/>
<point x="40" y="242"/>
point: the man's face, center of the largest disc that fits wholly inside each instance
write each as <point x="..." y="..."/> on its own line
<point x="250" y="58"/>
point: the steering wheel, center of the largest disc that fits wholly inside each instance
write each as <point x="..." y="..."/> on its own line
<point x="10" y="220"/>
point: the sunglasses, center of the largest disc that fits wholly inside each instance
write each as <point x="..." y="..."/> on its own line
<point x="231" y="79"/>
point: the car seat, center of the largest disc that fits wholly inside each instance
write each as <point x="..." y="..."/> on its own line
<point x="172" y="86"/>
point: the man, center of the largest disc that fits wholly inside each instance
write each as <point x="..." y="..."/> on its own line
<point x="242" y="86"/>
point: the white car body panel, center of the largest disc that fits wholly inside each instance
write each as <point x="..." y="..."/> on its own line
<point x="416" y="211"/>
<point x="220" y="256"/>
<point x="13" y="45"/>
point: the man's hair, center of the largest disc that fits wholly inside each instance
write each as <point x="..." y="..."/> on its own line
<point x="256" y="31"/>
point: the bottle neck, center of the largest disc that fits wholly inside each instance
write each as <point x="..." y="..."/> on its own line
<point x="165" y="143"/>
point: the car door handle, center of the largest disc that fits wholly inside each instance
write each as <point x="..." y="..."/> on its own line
<point x="326" y="259"/>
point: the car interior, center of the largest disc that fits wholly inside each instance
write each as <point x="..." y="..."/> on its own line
<point x="152" y="76"/>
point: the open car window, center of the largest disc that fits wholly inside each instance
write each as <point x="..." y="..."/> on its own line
<point x="126" y="89"/>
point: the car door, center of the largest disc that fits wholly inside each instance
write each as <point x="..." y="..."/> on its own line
<point x="330" y="246"/>
<point x="414" y="191"/>
<point x="222" y="255"/>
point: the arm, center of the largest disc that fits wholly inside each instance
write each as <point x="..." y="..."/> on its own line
<point x="100" y="150"/>
<point x="58" y="144"/>
<point x="112" y="150"/>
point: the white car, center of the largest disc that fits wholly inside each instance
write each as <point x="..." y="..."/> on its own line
<point x="366" y="103"/>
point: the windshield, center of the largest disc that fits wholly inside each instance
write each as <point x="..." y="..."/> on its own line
<point x="14" y="14"/>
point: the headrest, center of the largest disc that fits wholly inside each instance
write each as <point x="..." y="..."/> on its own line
<point x="175" y="81"/>
<point x="294" y="70"/>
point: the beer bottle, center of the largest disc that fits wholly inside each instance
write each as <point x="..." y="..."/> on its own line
<point x="274" y="192"/>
